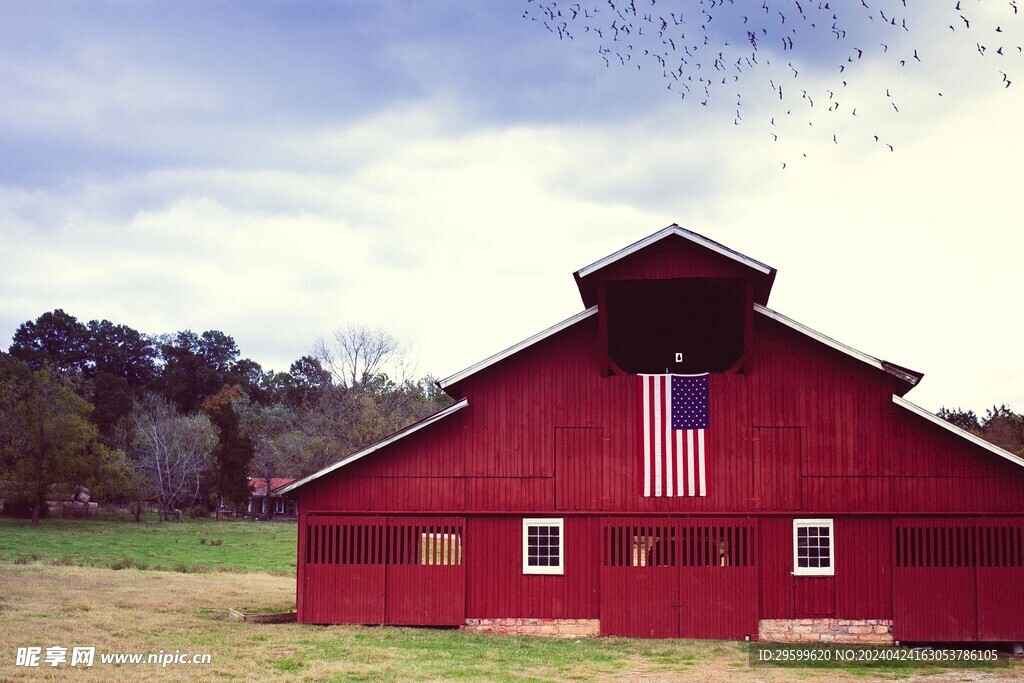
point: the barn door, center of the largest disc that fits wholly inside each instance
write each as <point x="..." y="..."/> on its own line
<point x="639" y="578"/>
<point x="934" y="582"/>
<point x="672" y="577"/>
<point x="718" y="578"/>
<point x="343" y="570"/>
<point x="425" y="578"/>
<point x="1000" y="579"/>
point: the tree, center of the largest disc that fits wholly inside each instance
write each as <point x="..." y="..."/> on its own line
<point x="234" y="450"/>
<point x="46" y="438"/>
<point x="964" y="419"/>
<point x="280" y="447"/>
<point x="1000" y="426"/>
<point x="1004" y="428"/>
<point x="173" y="452"/>
<point x="121" y="351"/>
<point x="358" y="390"/>
<point x="356" y="354"/>
<point x="55" y="338"/>
<point x="305" y="382"/>
<point x="195" y="366"/>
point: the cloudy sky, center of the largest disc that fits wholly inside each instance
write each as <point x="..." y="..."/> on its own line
<point x="276" y="170"/>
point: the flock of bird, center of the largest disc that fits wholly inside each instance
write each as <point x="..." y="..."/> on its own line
<point x="807" y="54"/>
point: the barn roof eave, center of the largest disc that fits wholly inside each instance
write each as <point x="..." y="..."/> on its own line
<point x="910" y="378"/>
<point x="962" y="433"/>
<point x="352" y="457"/>
<point x="516" y="348"/>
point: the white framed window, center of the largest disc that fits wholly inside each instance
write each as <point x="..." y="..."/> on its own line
<point x="543" y="546"/>
<point x="282" y="506"/>
<point x="813" y="547"/>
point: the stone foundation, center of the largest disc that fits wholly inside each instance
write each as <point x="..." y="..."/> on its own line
<point x="848" y="631"/>
<point x="550" y="628"/>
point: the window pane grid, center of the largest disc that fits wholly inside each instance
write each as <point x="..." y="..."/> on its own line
<point x="812" y="552"/>
<point x="542" y="546"/>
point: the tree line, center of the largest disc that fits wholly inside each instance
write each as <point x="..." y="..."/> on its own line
<point x="182" y="419"/>
<point x="1000" y="425"/>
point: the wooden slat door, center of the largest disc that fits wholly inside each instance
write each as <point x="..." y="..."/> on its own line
<point x="1000" y="579"/>
<point x="343" y="569"/>
<point x="639" y="578"/>
<point x="425" y="578"/>
<point x="679" y="577"/>
<point x="934" y="580"/>
<point x="718" y="578"/>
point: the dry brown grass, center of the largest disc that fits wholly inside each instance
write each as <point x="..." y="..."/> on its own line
<point x="133" y="611"/>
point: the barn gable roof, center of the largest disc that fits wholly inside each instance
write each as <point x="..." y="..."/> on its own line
<point x="910" y="378"/>
<point x="401" y="434"/>
<point x="764" y="274"/>
<point x="962" y="433"/>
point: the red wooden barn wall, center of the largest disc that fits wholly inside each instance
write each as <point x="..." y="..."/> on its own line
<point x="805" y="431"/>
<point x="858" y="452"/>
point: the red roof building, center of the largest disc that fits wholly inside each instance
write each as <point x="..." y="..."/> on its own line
<point x="273" y="505"/>
<point x="676" y="460"/>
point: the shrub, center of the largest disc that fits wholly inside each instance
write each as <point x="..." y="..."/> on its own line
<point x="124" y="563"/>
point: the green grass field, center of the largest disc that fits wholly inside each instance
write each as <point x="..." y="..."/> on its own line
<point x="192" y="546"/>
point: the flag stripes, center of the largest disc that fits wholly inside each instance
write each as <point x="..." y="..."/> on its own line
<point x="672" y="461"/>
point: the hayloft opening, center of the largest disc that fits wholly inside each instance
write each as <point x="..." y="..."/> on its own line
<point x="683" y="326"/>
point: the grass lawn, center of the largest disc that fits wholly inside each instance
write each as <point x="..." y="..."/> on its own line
<point x="192" y="546"/>
<point x="133" y="611"/>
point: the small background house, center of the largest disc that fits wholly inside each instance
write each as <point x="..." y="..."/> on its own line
<point x="272" y="504"/>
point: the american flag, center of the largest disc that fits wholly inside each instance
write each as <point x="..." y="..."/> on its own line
<point x="673" y="421"/>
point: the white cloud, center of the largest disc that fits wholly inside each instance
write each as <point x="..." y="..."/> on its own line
<point x="459" y="231"/>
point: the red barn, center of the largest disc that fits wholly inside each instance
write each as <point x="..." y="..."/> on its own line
<point x="676" y="460"/>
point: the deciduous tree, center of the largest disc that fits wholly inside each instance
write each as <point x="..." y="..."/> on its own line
<point x="46" y="438"/>
<point x="173" y="451"/>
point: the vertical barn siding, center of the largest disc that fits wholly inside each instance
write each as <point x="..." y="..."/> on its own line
<point x="496" y="586"/>
<point x="861" y="587"/>
<point x="858" y="452"/>
<point x="579" y="461"/>
<point x="776" y="560"/>
<point x="777" y="468"/>
<point x="863" y="561"/>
